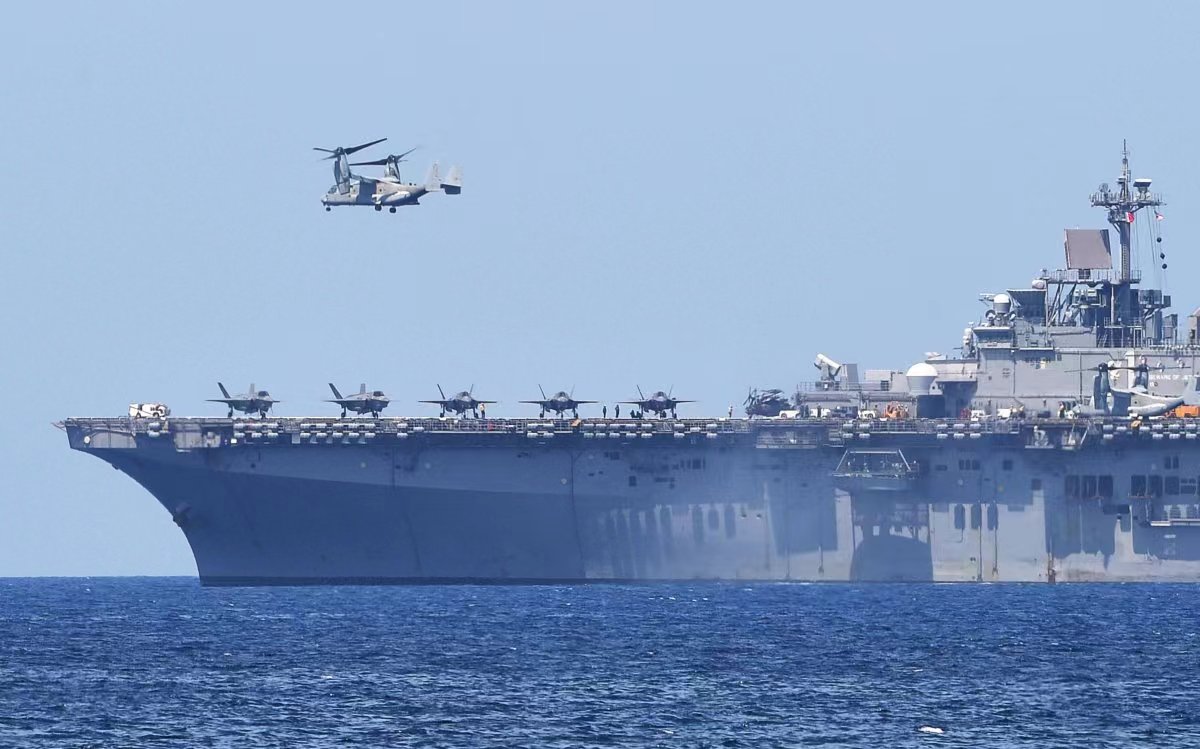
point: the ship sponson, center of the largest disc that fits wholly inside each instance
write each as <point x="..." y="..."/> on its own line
<point x="301" y="501"/>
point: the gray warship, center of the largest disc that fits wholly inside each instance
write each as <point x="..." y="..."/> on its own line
<point x="1060" y="444"/>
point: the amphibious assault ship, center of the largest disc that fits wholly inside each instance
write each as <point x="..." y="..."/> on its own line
<point x="1055" y="447"/>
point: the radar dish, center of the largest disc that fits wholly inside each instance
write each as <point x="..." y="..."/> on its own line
<point x="1088" y="249"/>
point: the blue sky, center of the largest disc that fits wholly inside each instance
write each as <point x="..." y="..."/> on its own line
<point x="690" y="194"/>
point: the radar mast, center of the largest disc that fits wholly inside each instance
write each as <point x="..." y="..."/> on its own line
<point x="1122" y="204"/>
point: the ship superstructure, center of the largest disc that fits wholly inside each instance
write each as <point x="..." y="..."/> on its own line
<point x="1050" y="448"/>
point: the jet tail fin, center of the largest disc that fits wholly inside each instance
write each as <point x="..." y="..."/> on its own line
<point x="452" y="184"/>
<point x="433" y="180"/>
<point x="224" y="392"/>
<point x="1191" y="390"/>
<point x="336" y="394"/>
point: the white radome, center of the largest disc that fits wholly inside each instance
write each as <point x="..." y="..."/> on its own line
<point x="920" y="378"/>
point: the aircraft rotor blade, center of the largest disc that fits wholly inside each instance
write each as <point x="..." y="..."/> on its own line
<point x="349" y="151"/>
<point x="394" y="158"/>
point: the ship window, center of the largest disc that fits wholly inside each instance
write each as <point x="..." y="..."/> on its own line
<point x="1106" y="487"/>
<point x="1036" y="485"/>
<point x="1137" y="486"/>
<point x="1171" y="461"/>
<point x="1172" y="486"/>
<point x="1156" y="486"/>
<point x="1187" y="487"/>
<point x="974" y="465"/>
<point x="960" y="517"/>
<point x="730" y="528"/>
<point x="976" y="517"/>
<point x="1007" y="464"/>
<point x="1072" y="487"/>
<point x="1088" y="490"/>
<point x="940" y="467"/>
<point x="993" y="517"/>
<point x="633" y="480"/>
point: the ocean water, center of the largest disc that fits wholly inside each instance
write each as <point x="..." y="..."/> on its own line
<point x="164" y="662"/>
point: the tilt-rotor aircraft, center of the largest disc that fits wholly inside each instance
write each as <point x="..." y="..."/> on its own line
<point x="1137" y="400"/>
<point x="560" y="402"/>
<point x="362" y="402"/>
<point x="658" y="403"/>
<point x="388" y="191"/>
<point x="250" y="402"/>
<point x="459" y="403"/>
<point x="768" y="403"/>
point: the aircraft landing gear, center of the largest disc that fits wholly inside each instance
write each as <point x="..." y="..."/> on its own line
<point x="575" y="412"/>
<point x="542" y="415"/>
<point x="327" y="208"/>
<point x="378" y="207"/>
<point x="442" y="415"/>
<point x="392" y="209"/>
<point x="343" y="413"/>
<point x="230" y="414"/>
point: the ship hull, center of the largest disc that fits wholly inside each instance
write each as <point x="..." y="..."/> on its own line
<point x="727" y="509"/>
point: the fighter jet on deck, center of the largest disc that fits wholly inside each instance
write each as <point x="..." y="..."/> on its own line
<point x="658" y="403"/>
<point x="361" y="402"/>
<point x="250" y="402"/>
<point x="460" y="403"/>
<point x="560" y="402"/>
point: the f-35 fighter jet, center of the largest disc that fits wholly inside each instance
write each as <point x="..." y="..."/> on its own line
<point x="460" y="403"/>
<point x="361" y="402"/>
<point x="250" y="402"/>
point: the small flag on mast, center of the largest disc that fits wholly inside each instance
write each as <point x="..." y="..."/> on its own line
<point x="1129" y="217"/>
<point x="1158" y="216"/>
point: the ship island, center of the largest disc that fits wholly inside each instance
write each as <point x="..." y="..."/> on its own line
<point x="1060" y="444"/>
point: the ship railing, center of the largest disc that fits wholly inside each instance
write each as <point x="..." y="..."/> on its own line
<point x="1089" y="276"/>
<point x="396" y="424"/>
<point x="824" y="386"/>
<point x="837" y="429"/>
